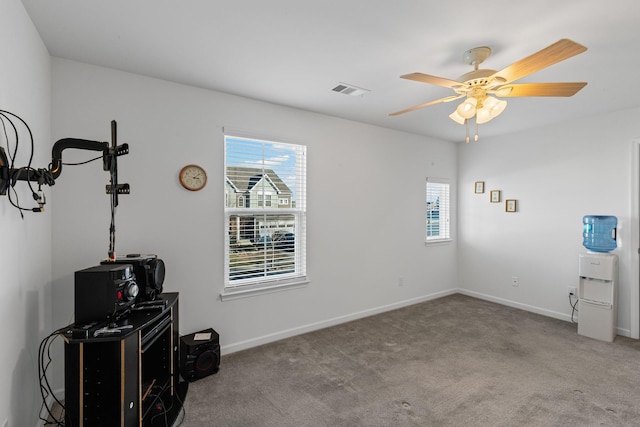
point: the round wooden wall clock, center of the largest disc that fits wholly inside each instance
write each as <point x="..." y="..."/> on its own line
<point x="193" y="177"/>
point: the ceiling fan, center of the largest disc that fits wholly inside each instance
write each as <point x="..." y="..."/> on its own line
<point x="483" y="87"/>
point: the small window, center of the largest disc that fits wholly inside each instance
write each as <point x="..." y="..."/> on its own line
<point x="437" y="210"/>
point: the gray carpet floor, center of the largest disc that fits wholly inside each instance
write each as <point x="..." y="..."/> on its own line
<point x="454" y="361"/>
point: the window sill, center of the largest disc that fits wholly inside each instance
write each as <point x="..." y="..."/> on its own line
<point x="229" y="294"/>
<point x="438" y="242"/>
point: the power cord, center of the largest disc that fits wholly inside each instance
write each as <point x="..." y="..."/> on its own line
<point x="4" y="115"/>
<point x="44" y="351"/>
<point x="79" y="163"/>
<point x="573" y="305"/>
<point x="166" y="410"/>
<point x="160" y="405"/>
<point x="12" y="156"/>
<point x="42" y="176"/>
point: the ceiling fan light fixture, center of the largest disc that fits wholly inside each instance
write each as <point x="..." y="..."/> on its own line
<point x="491" y="107"/>
<point x="495" y="106"/>
<point x="467" y="109"/>
<point x="457" y="117"/>
<point x="483" y="115"/>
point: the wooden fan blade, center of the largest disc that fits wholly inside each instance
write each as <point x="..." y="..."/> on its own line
<point x="558" y="51"/>
<point x="427" y="104"/>
<point x="434" y="80"/>
<point x="540" y="89"/>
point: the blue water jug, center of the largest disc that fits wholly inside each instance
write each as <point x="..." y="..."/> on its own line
<point x="599" y="232"/>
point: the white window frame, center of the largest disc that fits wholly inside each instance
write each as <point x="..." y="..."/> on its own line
<point x="443" y="187"/>
<point x="244" y="287"/>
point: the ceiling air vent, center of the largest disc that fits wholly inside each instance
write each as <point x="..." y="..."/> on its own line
<point x="349" y="89"/>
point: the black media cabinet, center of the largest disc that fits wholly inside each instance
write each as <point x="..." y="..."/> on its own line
<point x="131" y="378"/>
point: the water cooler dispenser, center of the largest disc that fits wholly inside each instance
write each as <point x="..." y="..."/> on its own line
<point x="597" y="292"/>
<point x="598" y="271"/>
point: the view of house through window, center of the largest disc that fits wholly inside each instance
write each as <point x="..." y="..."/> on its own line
<point x="265" y="211"/>
<point x="437" y="217"/>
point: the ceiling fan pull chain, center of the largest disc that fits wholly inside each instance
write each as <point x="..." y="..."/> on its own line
<point x="476" y="137"/>
<point x="466" y="122"/>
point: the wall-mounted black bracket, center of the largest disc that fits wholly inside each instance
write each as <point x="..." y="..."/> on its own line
<point x="120" y="189"/>
<point x="9" y="176"/>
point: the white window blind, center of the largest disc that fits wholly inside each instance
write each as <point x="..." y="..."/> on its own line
<point x="437" y="210"/>
<point x="265" y="243"/>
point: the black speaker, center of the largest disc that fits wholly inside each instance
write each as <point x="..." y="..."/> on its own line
<point x="199" y="354"/>
<point x="149" y="271"/>
<point x="104" y="293"/>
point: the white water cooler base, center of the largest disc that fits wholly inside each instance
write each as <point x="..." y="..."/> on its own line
<point x="596" y="320"/>
<point x="597" y="293"/>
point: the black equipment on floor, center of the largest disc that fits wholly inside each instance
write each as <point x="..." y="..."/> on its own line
<point x="200" y="354"/>
<point x="126" y="373"/>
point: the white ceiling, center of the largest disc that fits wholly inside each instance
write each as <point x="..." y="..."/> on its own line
<point x="293" y="52"/>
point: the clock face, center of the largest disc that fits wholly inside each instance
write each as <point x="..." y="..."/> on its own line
<point x="193" y="177"/>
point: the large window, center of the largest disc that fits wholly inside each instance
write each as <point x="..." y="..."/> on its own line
<point x="265" y="213"/>
<point x="438" y="211"/>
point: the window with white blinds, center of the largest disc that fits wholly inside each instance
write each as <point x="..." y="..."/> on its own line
<point x="265" y="213"/>
<point x="437" y="210"/>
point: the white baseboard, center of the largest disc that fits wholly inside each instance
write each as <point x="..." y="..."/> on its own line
<point x="533" y="309"/>
<point x="265" y="339"/>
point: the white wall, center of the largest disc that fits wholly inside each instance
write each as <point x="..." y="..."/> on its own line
<point x="359" y="242"/>
<point x="25" y="252"/>
<point x="558" y="174"/>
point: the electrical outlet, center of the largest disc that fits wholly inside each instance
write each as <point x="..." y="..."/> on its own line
<point x="515" y="281"/>
<point x="573" y="291"/>
<point x="400" y="281"/>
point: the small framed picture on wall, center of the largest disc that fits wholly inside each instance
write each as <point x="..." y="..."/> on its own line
<point x="479" y="187"/>
<point x="495" y="196"/>
<point x="511" y="205"/>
